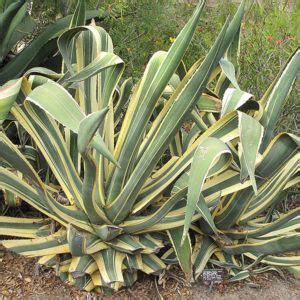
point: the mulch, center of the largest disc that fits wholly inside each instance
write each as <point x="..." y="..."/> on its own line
<point x="23" y="278"/>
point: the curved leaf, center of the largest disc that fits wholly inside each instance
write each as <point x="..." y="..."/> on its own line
<point x="251" y="133"/>
<point x="8" y="95"/>
<point x="207" y="153"/>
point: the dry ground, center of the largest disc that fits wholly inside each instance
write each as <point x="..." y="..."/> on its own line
<point x="21" y="278"/>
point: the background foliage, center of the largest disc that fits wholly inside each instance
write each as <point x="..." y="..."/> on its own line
<point x="269" y="36"/>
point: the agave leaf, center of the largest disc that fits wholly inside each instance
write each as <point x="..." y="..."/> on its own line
<point x="10" y="199"/>
<point x="203" y="250"/>
<point x="232" y="56"/>
<point x="157" y="75"/>
<point x="9" y="20"/>
<point x="78" y="18"/>
<point x="277" y="260"/>
<point x="183" y="252"/>
<point x="276" y="95"/>
<point x="170" y="125"/>
<point x="283" y="147"/>
<point x="130" y="278"/>
<point x="93" y="59"/>
<point x="84" y="282"/>
<point x="90" y="192"/>
<point x="207" y="153"/>
<point x="138" y="224"/>
<point x="76" y="241"/>
<point x="46" y="204"/>
<point x="88" y="127"/>
<point x="151" y="243"/>
<point x="30" y="55"/>
<point x="156" y="124"/>
<point x="24" y="28"/>
<point x="65" y="110"/>
<point x="19" y="187"/>
<point x="175" y="145"/>
<point x="173" y="219"/>
<point x="92" y="93"/>
<point x="181" y="107"/>
<point x="288" y="242"/>
<point x="234" y="26"/>
<point x="209" y="103"/>
<point x="10" y="153"/>
<point x="103" y="61"/>
<point x="240" y="276"/>
<point x="63" y="214"/>
<point x="50" y="142"/>
<point x="127" y="243"/>
<point x="66" y="41"/>
<point x="278" y="171"/>
<point x="155" y="187"/>
<point x="229" y="71"/>
<point x="225" y="129"/>
<point x="285" y="223"/>
<point x="233" y="99"/>
<point x="21" y="227"/>
<point x="8" y="95"/>
<point x="271" y="191"/>
<point x="251" y="133"/>
<point x="42" y="71"/>
<point x="152" y="264"/>
<point x="125" y="92"/>
<point x="53" y="244"/>
<point x="110" y="265"/>
<point x="62" y="106"/>
<point x="84" y="264"/>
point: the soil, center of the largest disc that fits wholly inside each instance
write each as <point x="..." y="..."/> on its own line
<point x="22" y="278"/>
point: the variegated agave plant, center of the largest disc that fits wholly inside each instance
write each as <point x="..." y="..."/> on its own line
<point x="131" y="193"/>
